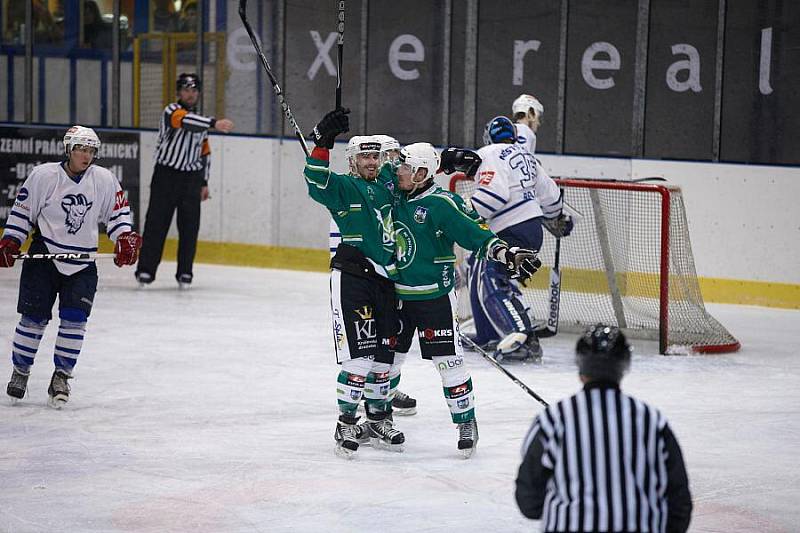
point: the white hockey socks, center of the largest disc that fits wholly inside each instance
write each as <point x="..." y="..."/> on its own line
<point x="457" y="387"/>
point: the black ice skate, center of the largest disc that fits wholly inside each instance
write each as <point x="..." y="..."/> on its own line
<point x="403" y="404"/>
<point x="468" y="438"/>
<point x="144" y="279"/>
<point x="184" y="281"/>
<point x="58" y="391"/>
<point x="383" y="435"/>
<point x="17" y="386"/>
<point x="345" y="436"/>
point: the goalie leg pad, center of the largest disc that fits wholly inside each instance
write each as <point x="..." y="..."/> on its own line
<point x="457" y="387"/>
<point x="499" y="304"/>
<point x="27" y="337"/>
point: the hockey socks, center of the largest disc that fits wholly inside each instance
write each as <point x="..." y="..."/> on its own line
<point x="69" y="342"/>
<point x="27" y="337"/>
<point x="349" y="389"/>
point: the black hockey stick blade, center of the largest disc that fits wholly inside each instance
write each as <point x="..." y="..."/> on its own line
<point x="275" y="87"/>
<point x="502" y="369"/>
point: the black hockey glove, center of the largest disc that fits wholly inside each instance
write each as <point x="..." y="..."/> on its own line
<point x="331" y="125"/>
<point x="560" y="226"/>
<point x="460" y="160"/>
<point x="520" y="262"/>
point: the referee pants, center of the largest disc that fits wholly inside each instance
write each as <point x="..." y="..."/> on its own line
<point x="171" y="190"/>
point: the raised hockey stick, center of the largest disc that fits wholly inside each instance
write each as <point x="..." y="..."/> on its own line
<point x="268" y="69"/>
<point x="340" y="56"/>
<point x="502" y="369"/>
<point x="64" y="255"/>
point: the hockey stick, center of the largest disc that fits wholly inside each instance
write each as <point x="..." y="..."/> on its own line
<point x="268" y="69"/>
<point x="551" y="327"/>
<point x="64" y="255"/>
<point x="502" y="369"/>
<point x="340" y="56"/>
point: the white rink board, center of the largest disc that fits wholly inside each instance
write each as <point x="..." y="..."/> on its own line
<point x="744" y="219"/>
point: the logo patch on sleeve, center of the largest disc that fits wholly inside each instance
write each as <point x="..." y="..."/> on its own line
<point x="420" y="214"/>
<point x="121" y="200"/>
<point x="486" y="177"/>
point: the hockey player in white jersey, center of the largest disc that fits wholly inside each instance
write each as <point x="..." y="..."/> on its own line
<point x="60" y="205"/>
<point x="516" y="197"/>
<point x="527" y="114"/>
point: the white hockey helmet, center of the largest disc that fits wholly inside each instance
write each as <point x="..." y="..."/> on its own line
<point x="81" y="136"/>
<point x="526" y="102"/>
<point x="390" y="147"/>
<point x="421" y="155"/>
<point x="362" y="144"/>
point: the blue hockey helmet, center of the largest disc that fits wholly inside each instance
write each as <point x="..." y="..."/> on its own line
<point x="500" y="130"/>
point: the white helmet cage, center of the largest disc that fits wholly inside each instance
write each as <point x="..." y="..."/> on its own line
<point x="360" y="144"/>
<point x="526" y="102"/>
<point x="420" y="155"/>
<point x="81" y="136"/>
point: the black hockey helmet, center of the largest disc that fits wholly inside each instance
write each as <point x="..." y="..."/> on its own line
<point x="603" y="353"/>
<point x="188" y="81"/>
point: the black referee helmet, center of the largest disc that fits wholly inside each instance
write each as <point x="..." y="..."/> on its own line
<point x="603" y="353"/>
<point x="188" y="81"/>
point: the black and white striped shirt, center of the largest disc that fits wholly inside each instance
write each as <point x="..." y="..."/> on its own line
<point x="603" y="461"/>
<point x="183" y="139"/>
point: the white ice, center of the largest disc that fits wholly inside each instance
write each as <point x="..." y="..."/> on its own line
<point x="213" y="410"/>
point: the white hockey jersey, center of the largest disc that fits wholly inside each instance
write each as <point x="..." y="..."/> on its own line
<point x="513" y="187"/>
<point x="67" y="212"/>
<point x="526" y="137"/>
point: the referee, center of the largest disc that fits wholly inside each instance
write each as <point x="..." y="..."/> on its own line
<point x="602" y="460"/>
<point x="180" y="181"/>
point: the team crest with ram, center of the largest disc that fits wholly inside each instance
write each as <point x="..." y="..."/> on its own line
<point x="75" y="206"/>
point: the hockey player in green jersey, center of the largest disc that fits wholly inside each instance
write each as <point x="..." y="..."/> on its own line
<point x="428" y="221"/>
<point x="363" y="302"/>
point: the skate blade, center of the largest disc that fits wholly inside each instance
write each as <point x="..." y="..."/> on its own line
<point x="56" y="402"/>
<point x="13" y="400"/>
<point x="468" y="452"/>
<point x="381" y="445"/>
<point x="408" y="411"/>
<point x="344" y="453"/>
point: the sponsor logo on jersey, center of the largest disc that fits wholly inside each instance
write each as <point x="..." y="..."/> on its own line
<point x="121" y="200"/>
<point x="420" y="214"/>
<point x="76" y="206"/>
<point x="485" y="177"/>
<point x="364" y="312"/>
<point x="446" y="275"/>
<point x="458" y="390"/>
<point x="365" y="328"/>
<point x="22" y="195"/>
<point x="406" y="245"/>
<point x="384" y="216"/>
<point x="338" y="334"/>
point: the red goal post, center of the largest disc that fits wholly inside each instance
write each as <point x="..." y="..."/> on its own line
<point x="628" y="263"/>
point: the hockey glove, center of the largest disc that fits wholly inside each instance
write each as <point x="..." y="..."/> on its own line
<point x="8" y="249"/>
<point x="460" y="160"/>
<point x="560" y="226"/>
<point x="520" y="262"/>
<point x="331" y="125"/>
<point x="127" y="249"/>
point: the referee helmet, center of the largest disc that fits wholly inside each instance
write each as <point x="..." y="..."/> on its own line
<point x="603" y="353"/>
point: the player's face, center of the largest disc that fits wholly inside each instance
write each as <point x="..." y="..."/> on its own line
<point x="81" y="157"/>
<point x="367" y="165"/>
<point x="189" y="95"/>
<point x="407" y="179"/>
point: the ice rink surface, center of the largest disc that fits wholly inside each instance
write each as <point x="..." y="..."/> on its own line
<point x="213" y="409"/>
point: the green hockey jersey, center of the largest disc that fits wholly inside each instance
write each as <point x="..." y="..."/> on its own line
<point x="362" y="209"/>
<point x="426" y="227"/>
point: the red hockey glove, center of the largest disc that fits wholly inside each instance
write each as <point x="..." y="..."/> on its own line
<point x="8" y="249"/>
<point x="127" y="248"/>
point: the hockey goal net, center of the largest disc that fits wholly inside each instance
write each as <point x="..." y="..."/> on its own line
<point x="628" y="263"/>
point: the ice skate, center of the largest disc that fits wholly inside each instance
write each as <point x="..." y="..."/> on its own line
<point x="403" y="404"/>
<point x="17" y="386"/>
<point x="144" y="279"/>
<point x="184" y="282"/>
<point x="468" y="438"/>
<point x="529" y="352"/>
<point x="58" y="391"/>
<point x="383" y="435"/>
<point x="345" y="436"/>
<point x="361" y="433"/>
<point x="511" y="342"/>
